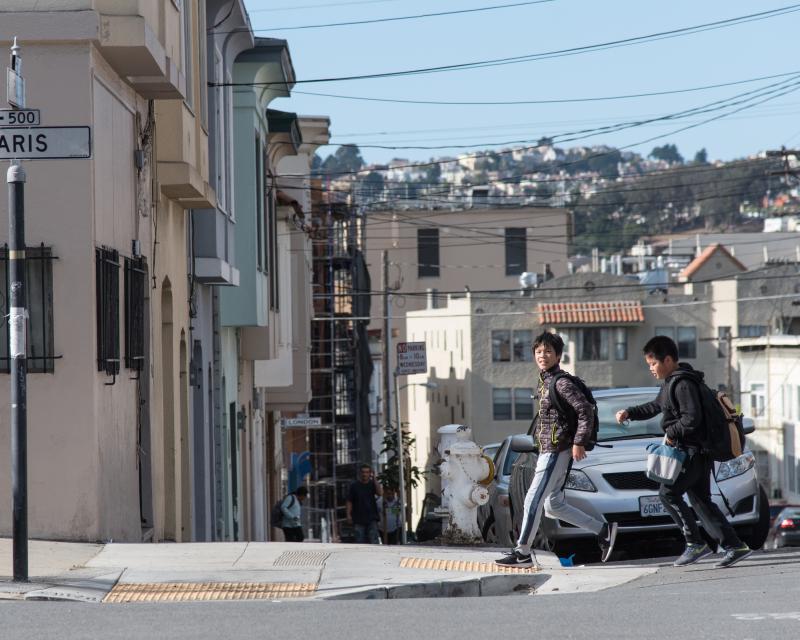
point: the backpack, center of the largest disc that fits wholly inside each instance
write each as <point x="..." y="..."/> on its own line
<point x="276" y="513"/>
<point x="723" y="437"/>
<point x="567" y="413"/>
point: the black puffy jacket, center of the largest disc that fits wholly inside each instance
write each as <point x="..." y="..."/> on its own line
<point x="683" y="424"/>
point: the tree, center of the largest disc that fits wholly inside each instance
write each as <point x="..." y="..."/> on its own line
<point x="667" y="153"/>
<point x="701" y="157"/>
<point x="388" y="477"/>
<point x="347" y="159"/>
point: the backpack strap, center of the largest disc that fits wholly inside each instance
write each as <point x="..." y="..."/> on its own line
<point x="679" y="375"/>
<point x="553" y="395"/>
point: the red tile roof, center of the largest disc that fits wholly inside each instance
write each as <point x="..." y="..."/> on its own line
<point x="705" y="256"/>
<point x="572" y="313"/>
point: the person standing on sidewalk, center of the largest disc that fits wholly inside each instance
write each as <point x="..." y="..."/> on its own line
<point x="684" y="429"/>
<point x="291" y="508"/>
<point x="389" y="508"/>
<point x="362" y="508"/>
<point x="558" y="447"/>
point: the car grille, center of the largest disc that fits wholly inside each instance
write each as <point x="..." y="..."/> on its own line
<point x="631" y="480"/>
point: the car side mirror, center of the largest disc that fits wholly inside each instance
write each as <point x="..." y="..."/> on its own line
<point x="748" y="425"/>
<point x="523" y="443"/>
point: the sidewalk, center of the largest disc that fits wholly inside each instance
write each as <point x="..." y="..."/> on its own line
<point x="118" y="573"/>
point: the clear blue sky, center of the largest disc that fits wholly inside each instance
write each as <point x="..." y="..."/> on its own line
<point x="739" y="52"/>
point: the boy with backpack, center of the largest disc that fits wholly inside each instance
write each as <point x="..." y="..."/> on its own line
<point x="684" y="419"/>
<point x="566" y="427"/>
<point x="289" y="510"/>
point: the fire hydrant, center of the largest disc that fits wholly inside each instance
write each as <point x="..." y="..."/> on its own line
<point x="468" y="472"/>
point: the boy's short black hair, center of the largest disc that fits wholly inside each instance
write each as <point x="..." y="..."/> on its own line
<point x="551" y="340"/>
<point x="660" y="347"/>
<point x="302" y="491"/>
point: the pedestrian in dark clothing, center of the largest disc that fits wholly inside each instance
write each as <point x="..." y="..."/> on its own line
<point x="291" y="510"/>
<point x="558" y="447"/>
<point x="362" y="509"/>
<point x="684" y="428"/>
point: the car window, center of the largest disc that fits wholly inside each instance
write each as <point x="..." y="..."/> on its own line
<point x="610" y="430"/>
<point x="511" y="458"/>
<point x="789" y="513"/>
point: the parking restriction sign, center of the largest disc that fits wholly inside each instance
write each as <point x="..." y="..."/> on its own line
<point x="411" y="358"/>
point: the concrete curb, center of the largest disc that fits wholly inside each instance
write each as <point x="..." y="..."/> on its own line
<point x="493" y="585"/>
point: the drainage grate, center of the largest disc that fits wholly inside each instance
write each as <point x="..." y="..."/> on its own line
<point x="189" y="591"/>
<point x="460" y="565"/>
<point x="301" y="559"/>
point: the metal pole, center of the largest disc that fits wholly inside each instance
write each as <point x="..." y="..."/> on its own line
<point x="387" y="341"/>
<point x="18" y="314"/>
<point x="401" y="476"/>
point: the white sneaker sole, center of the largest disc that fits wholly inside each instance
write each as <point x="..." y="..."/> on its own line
<point x="612" y="538"/>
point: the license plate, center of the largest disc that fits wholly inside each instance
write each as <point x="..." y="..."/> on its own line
<point x="651" y="506"/>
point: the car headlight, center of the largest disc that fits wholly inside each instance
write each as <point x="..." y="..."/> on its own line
<point x="736" y="467"/>
<point x="579" y="481"/>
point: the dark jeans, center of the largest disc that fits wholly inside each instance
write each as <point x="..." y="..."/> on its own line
<point x="695" y="481"/>
<point x="393" y="537"/>
<point x="366" y="533"/>
<point x="293" y="534"/>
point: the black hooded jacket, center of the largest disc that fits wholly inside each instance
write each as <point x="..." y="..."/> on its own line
<point x="683" y="424"/>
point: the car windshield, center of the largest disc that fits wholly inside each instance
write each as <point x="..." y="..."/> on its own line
<point x="610" y="430"/>
<point x="511" y="458"/>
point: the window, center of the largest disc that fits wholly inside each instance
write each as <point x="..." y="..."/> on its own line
<point x="202" y="54"/>
<point x="684" y="337"/>
<point x="523" y="404"/>
<point x="687" y="342"/>
<point x="666" y="331"/>
<point x="523" y="345"/>
<point x="107" y="292"/>
<point x="752" y="330"/>
<point x="593" y="343"/>
<point x="516" y="251"/>
<point x="620" y="343"/>
<point x="135" y="293"/>
<point x="501" y="404"/>
<point x="428" y="253"/>
<point x="501" y="346"/>
<point x="261" y="263"/>
<point x="758" y="399"/>
<point x="723" y="341"/>
<point x="272" y="245"/>
<point x="186" y="52"/>
<point x="39" y="299"/>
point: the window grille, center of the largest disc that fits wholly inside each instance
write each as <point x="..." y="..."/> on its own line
<point x="135" y="291"/>
<point x="107" y="292"/>
<point x="39" y="301"/>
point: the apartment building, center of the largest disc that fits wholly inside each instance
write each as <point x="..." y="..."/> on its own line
<point x="771" y="396"/>
<point x="146" y="406"/>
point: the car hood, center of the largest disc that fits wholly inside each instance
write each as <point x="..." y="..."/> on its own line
<point x="621" y="451"/>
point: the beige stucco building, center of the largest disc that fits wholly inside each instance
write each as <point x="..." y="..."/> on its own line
<point x="113" y="371"/>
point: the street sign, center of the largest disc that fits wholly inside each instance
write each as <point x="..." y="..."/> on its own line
<point x="45" y="143"/>
<point x="15" y="88"/>
<point x="411" y="358"/>
<point x="19" y="118"/>
<point x="294" y="423"/>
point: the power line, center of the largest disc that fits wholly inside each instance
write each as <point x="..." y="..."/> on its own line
<point x="546" y="55"/>
<point x="548" y="101"/>
<point x="412" y="17"/>
<point x="321" y="6"/>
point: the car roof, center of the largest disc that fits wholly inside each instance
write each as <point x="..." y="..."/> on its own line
<point x="625" y="391"/>
<point x="789" y="511"/>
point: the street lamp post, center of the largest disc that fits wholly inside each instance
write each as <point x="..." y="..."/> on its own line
<point x="401" y="478"/>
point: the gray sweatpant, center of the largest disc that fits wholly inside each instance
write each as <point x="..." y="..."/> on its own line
<point x="547" y="491"/>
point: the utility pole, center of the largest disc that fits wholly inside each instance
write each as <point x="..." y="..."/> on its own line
<point x="18" y="314"/>
<point x="387" y="341"/>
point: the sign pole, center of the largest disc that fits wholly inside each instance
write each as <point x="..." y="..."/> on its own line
<point x="17" y="317"/>
<point x="19" y="368"/>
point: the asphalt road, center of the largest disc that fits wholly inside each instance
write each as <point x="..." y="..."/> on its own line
<point x="759" y="598"/>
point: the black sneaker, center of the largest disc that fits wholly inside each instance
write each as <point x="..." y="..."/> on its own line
<point x="732" y="556"/>
<point x="515" y="559"/>
<point x="606" y="539"/>
<point x="693" y="553"/>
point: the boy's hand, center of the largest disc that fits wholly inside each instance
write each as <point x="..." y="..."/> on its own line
<point x="578" y="452"/>
<point x="622" y="416"/>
